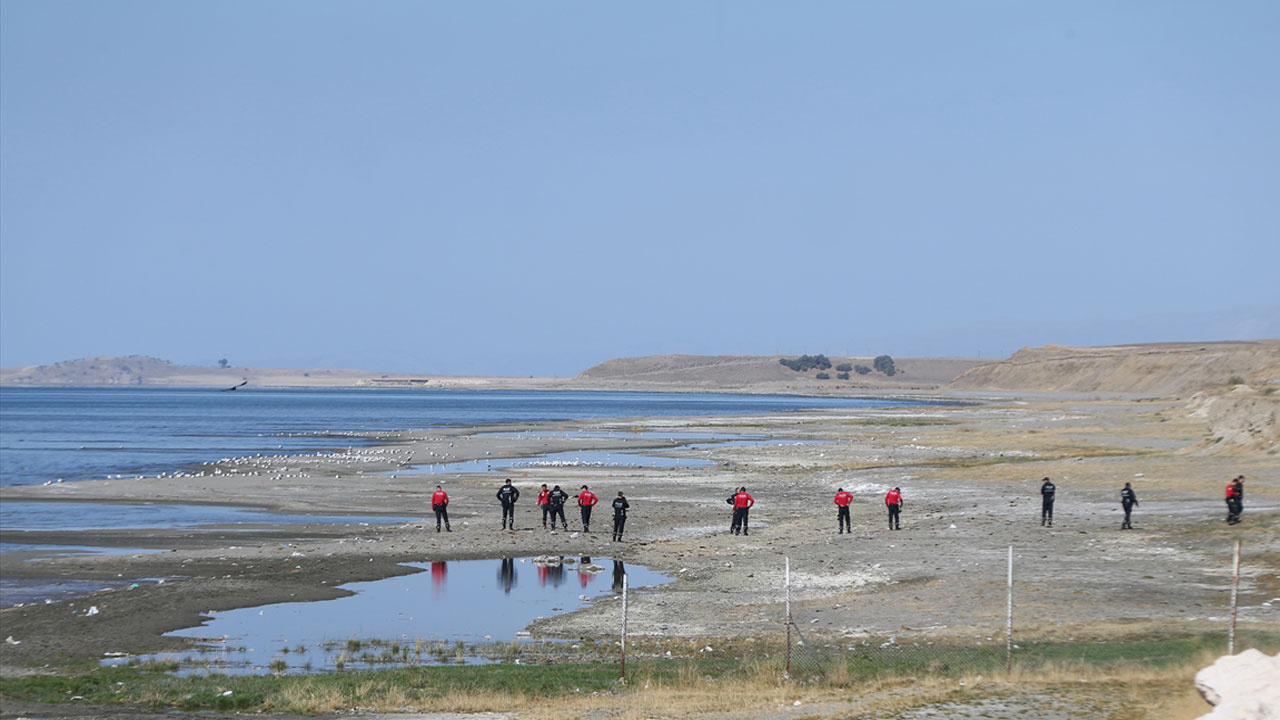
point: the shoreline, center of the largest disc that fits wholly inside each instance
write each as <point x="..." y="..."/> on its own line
<point x="676" y="524"/>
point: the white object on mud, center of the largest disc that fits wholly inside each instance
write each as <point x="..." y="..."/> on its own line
<point x="1241" y="687"/>
<point x="11" y="641"/>
<point x="93" y="610"/>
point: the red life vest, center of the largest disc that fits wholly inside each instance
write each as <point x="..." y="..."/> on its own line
<point x="893" y="497"/>
<point x="1231" y="489"/>
<point x="743" y="500"/>
<point x="586" y="498"/>
<point x="542" y="497"/>
<point x="843" y="498"/>
<point x="439" y="497"/>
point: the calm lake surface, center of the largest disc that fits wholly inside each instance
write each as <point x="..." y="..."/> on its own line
<point x="47" y="434"/>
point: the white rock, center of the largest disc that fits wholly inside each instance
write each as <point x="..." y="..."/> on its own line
<point x="1241" y="687"/>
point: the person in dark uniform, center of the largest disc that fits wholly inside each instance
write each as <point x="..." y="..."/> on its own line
<point x="893" y="501"/>
<point x="557" y="499"/>
<point x="842" y="510"/>
<point x="1129" y="501"/>
<point x="508" y="494"/>
<point x="620" y="506"/>
<point x="1235" y="500"/>
<point x="1046" y="501"/>
<point x="586" y="501"/>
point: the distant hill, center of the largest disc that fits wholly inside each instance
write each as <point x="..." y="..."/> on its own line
<point x="765" y="372"/>
<point x="148" y="371"/>
<point x="1162" y="369"/>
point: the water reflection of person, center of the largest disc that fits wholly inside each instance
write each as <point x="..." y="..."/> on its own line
<point x="619" y="572"/>
<point x="585" y="577"/>
<point x="507" y="574"/>
<point x="555" y="572"/>
<point x="438" y="572"/>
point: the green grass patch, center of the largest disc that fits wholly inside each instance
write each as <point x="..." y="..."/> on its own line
<point x="477" y="686"/>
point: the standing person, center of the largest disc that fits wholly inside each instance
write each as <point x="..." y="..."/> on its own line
<point x="1046" y="501"/>
<point x="1129" y="501"/>
<point x="557" y="500"/>
<point x="842" y="510"/>
<point x="508" y="494"/>
<point x="742" y="504"/>
<point x="440" y="503"/>
<point x="1235" y="500"/>
<point x="586" y="501"/>
<point x="620" y="506"/>
<point x="544" y="505"/>
<point x="893" y="501"/>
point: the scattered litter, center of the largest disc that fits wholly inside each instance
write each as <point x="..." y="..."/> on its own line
<point x="93" y="610"/>
<point x="225" y="693"/>
<point x="953" y="526"/>
<point x="115" y="654"/>
<point x="11" y="641"/>
<point x="1138" y="475"/>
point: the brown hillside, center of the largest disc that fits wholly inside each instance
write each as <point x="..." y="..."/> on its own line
<point x="1164" y="369"/>
<point x="757" y="370"/>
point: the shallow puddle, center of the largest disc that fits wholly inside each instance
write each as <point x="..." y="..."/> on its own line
<point x="569" y="459"/>
<point x="16" y="592"/>
<point x="452" y="612"/>
<point x="20" y="515"/>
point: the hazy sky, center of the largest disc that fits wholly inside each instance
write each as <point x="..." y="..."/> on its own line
<point x="531" y="188"/>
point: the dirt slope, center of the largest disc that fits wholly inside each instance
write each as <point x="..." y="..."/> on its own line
<point x="1164" y="369"/>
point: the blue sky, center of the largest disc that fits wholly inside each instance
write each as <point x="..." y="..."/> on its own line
<point x="531" y="188"/>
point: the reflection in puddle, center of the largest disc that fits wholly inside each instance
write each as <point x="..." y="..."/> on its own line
<point x="469" y="611"/>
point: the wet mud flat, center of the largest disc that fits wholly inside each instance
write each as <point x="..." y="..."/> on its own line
<point x="969" y="476"/>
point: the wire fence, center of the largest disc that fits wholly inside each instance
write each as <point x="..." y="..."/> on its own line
<point x="977" y="651"/>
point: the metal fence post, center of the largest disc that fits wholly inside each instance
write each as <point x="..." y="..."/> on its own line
<point x="622" y="658"/>
<point x="1008" y="625"/>
<point x="1235" y="589"/>
<point x="786" y="582"/>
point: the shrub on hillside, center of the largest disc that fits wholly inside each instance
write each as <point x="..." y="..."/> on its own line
<point x="823" y="376"/>
<point x="884" y="364"/>
<point x="862" y="369"/>
<point x="807" y="362"/>
<point x="844" y="367"/>
<point x="842" y="376"/>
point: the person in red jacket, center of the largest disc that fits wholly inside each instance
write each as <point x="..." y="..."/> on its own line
<point x="843" y="499"/>
<point x="893" y="501"/>
<point x="544" y="504"/>
<point x="586" y="501"/>
<point x="742" y="503"/>
<point x="440" y="503"/>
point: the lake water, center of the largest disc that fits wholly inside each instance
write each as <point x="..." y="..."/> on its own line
<point x="416" y="619"/>
<point x="69" y="434"/>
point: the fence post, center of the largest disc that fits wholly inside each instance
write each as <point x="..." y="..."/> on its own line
<point x="1235" y="588"/>
<point x="622" y="658"/>
<point x="786" y="582"/>
<point x="1008" y="623"/>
